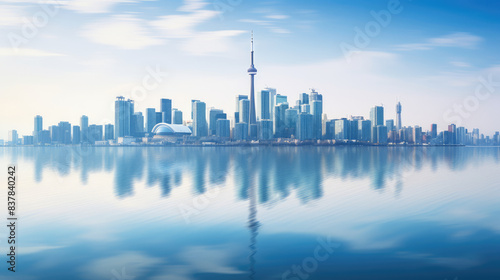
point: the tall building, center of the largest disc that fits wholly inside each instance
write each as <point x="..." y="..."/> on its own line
<point x="434" y="131"/>
<point x="245" y="111"/>
<point x="123" y="110"/>
<point x="150" y="119"/>
<point x="84" y="129"/>
<point x="192" y="108"/>
<point x="54" y="134"/>
<point x="278" y="99"/>
<point x="64" y="130"/>
<point x="252" y="125"/>
<point x="199" y="119"/>
<point x="305" y="108"/>
<point x="263" y="105"/>
<point x="314" y="95"/>
<point x="390" y="125"/>
<point x="240" y="131"/>
<point x="108" y="132"/>
<point x="37" y="129"/>
<point x="95" y="133"/>
<point x="452" y="129"/>
<point x="291" y="117"/>
<point x="365" y="131"/>
<point x="238" y="109"/>
<point x="159" y="117"/>
<point x="214" y="115"/>
<point x="304" y="126"/>
<point x="398" y="116"/>
<point x="342" y="129"/>
<point x="176" y="116"/>
<point x="382" y="134"/>
<point x="223" y="129"/>
<point x="265" y="129"/>
<point x="166" y="110"/>
<point x="137" y="129"/>
<point x="377" y="116"/>
<point x="76" y="135"/>
<point x="317" y="112"/>
<point x="279" y="119"/>
<point x="272" y="100"/>
<point x="13" y="137"/>
<point x="303" y="98"/>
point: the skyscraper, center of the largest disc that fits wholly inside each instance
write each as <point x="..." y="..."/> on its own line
<point x="123" y="111"/>
<point x="263" y="106"/>
<point x="223" y="128"/>
<point x="434" y="131"/>
<point x="166" y="110"/>
<point x="398" y="116"/>
<point x="76" y="135"/>
<point x="199" y="119"/>
<point x="108" y="132"/>
<point x="244" y="111"/>
<point x="64" y="132"/>
<point x="304" y="126"/>
<point x="272" y="100"/>
<point x="377" y="116"/>
<point x="84" y="129"/>
<point x="317" y="112"/>
<point x="314" y="95"/>
<point x="13" y="137"/>
<point x="238" y="109"/>
<point x="176" y="116"/>
<point x="150" y="119"/>
<point x="38" y="128"/>
<point x="390" y="125"/>
<point x="303" y="98"/>
<point x="252" y="126"/>
<point x="265" y="129"/>
<point x="214" y="115"/>
<point x="137" y="129"/>
<point x="291" y="116"/>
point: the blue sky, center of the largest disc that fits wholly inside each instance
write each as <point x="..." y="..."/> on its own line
<point x="430" y="55"/>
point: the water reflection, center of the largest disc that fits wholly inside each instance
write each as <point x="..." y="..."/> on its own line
<point x="276" y="172"/>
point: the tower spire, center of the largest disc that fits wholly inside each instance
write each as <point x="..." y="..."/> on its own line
<point x="252" y="125"/>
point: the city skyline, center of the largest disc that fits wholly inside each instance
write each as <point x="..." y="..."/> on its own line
<point x="431" y="71"/>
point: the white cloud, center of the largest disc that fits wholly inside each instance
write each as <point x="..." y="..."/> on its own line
<point x="93" y="6"/>
<point x="192" y="5"/>
<point x="124" y="31"/>
<point x="212" y="42"/>
<point x="458" y="40"/>
<point x="183" y="26"/>
<point x="279" y="17"/>
<point x="26" y="52"/>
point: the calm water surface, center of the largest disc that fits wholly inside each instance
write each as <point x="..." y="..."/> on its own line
<point x="255" y="213"/>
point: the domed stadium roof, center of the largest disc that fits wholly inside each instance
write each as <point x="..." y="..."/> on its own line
<point x="165" y="129"/>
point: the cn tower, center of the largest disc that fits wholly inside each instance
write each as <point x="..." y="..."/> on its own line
<point x="253" y="119"/>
